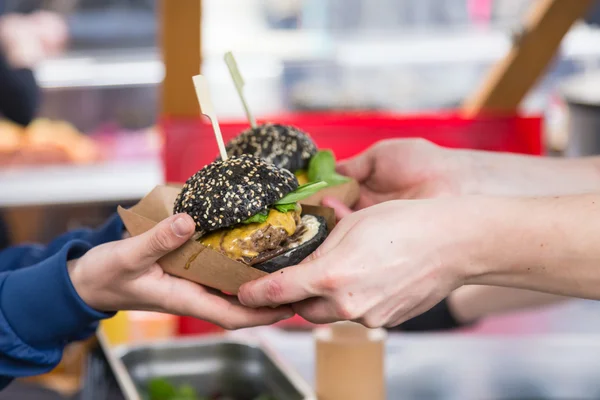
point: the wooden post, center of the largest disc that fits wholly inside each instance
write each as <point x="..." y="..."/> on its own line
<point x="180" y="42"/>
<point x="533" y="49"/>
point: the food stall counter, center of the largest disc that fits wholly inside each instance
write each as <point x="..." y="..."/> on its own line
<point x="79" y="184"/>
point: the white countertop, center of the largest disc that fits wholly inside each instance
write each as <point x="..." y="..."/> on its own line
<point x="110" y="182"/>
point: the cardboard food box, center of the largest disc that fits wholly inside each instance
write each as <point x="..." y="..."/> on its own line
<point x="193" y="261"/>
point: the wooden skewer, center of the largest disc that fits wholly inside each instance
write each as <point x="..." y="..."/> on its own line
<point x="207" y="108"/>
<point x="239" y="83"/>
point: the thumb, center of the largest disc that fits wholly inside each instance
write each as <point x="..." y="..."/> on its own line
<point x="165" y="237"/>
<point x="289" y="285"/>
<point x="359" y="167"/>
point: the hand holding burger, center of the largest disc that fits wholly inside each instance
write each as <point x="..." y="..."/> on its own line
<point x="124" y="275"/>
<point x="416" y="168"/>
<point x="380" y="266"/>
<point x="388" y="263"/>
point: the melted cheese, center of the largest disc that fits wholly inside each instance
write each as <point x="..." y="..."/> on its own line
<point x="234" y="242"/>
<point x="302" y="177"/>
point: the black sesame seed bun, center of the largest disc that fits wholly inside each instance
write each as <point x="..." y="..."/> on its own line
<point x="285" y="146"/>
<point x="226" y="193"/>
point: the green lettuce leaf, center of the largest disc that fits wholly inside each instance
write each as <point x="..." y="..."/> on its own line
<point x="302" y="192"/>
<point x="322" y="168"/>
<point x="257" y="218"/>
<point x="284" y="208"/>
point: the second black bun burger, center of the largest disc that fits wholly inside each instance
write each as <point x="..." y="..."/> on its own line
<point x="288" y="147"/>
<point x="247" y="209"/>
<point x="283" y="145"/>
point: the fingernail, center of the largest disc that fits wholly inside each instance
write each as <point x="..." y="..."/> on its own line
<point x="181" y="227"/>
<point x="287" y="316"/>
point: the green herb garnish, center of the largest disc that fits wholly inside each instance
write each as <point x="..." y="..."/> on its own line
<point x="284" y="208"/>
<point x="257" y="218"/>
<point x="302" y="192"/>
<point x="186" y="392"/>
<point x="161" y="389"/>
<point x="322" y="168"/>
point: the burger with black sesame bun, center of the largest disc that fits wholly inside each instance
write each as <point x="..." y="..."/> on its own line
<point x="247" y="209"/>
<point x="290" y="148"/>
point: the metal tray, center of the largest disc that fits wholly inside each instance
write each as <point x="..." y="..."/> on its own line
<point x="239" y="368"/>
<point x="100" y="381"/>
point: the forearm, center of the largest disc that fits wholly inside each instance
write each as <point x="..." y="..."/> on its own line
<point x="542" y="244"/>
<point x="504" y="174"/>
<point x="471" y="303"/>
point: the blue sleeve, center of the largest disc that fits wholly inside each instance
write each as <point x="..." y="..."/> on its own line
<point x="40" y="311"/>
<point x="25" y="255"/>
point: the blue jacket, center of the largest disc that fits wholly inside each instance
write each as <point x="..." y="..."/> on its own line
<point x="40" y="311"/>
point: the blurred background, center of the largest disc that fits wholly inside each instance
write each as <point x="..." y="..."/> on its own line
<point x="95" y="141"/>
<point x="400" y="55"/>
<point x="100" y="92"/>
